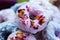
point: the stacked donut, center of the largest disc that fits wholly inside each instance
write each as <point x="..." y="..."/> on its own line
<point x="30" y="18"/>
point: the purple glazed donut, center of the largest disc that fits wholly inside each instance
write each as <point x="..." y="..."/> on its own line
<point x="18" y="35"/>
<point x="32" y="17"/>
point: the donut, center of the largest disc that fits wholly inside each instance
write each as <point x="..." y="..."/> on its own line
<point x="32" y="17"/>
<point x="18" y="35"/>
<point x="7" y="20"/>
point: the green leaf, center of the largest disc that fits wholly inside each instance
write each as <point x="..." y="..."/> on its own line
<point x="23" y="0"/>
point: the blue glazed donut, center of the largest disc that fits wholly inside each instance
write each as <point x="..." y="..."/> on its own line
<point x="7" y="22"/>
<point x="1" y="38"/>
<point x="7" y="19"/>
<point x="53" y="28"/>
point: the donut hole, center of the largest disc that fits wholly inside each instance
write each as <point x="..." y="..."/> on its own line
<point x="2" y="19"/>
<point x="32" y="17"/>
<point x="33" y="14"/>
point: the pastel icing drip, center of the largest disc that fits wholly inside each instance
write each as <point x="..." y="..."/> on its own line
<point x="41" y="20"/>
<point x="35" y="27"/>
<point x="21" y="13"/>
<point x="23" y="22"/>
<point x="32" y="25"/>
<point x="27" y="7"/>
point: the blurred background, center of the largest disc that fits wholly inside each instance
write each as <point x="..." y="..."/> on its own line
<point x="8" y="3"/>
